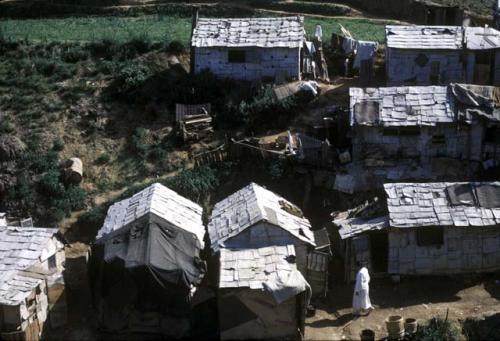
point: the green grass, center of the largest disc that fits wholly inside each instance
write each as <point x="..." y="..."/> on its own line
<point x="158" y="28"/>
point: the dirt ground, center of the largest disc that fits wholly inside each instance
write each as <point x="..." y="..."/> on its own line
<point x="473" y="297"/>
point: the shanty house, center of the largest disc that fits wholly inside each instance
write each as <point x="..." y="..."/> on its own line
<point x="147" y="262"/>
<point x="262" y="295"/>
<point x="434" y="55"/>
<point x="31" y="265"/>
<point x="251" y="49"/>
<point x="401" y="132"/>
<point x="426" y="228"/>
<point x="255" y="217"/>
<point x="318" y="262"/>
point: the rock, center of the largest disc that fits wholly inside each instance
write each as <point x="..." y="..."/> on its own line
<point x="11" y="147"/>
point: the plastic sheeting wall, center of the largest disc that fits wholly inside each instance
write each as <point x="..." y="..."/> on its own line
<point x="402" y="68"/>
<point x="260" y="62"/>
<point x="273" y="321"/>
<point x="465" y="250"/>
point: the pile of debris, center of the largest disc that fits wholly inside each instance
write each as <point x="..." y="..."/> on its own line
<point x="194" y="122"/>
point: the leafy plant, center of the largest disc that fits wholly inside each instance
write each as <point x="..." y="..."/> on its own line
<point x="131" y="77"/>
<point x="437" y="330"/>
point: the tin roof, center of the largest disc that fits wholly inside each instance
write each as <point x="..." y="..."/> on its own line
<point x="251" y="205"/>
<point x="441" y="37"/>
<point x="400" y="106"/>
<point x="435" y="204"/>
<point x="20" y="249"/>
<point x="424" y="37"/>
<point x="161" y="201"/>
<point x="249" y="32"/>
<point x="482" y="38"/>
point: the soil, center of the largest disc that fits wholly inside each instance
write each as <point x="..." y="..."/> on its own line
<point x="422" y="298"/>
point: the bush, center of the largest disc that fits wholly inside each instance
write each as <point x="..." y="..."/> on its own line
<point x="138" y="144"/>
<point x="41" y="163"/>
<point x="75" y="54"/>
<point x="105" y="48"/>
<point x="438" y="329"/>
<point x="131" y="77"/>
<point x="58" y="145"/>
<point x="103" y="159"/>
<point x="49" y="185"/>
<point x="176" y="46"/>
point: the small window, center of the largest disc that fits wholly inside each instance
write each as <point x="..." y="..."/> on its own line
<point x="236" y="56"/>
<point x="402" y="131"/>
<point x="430" y="236"/>
<point x="491" y="135"/>
<point x="438" y="139"/>
<point x="52" y="262"/>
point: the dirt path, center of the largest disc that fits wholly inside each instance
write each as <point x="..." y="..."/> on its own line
<point x="420" y="298"/>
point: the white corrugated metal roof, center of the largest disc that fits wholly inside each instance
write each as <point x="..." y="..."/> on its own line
<point x="424" y="37"/>
<point x="441" y="37"/>
<point x="427" y="204"/>
<point x="404" y="106"/>
<point x="253" y="267"/>
<point x="20" y="249"/>
<point x="250" y="205"/>
<point x="249" y="32"/>
<point x="481" y="38"/>
<point x="351" y="227"/>
<point x="161" y="201"/>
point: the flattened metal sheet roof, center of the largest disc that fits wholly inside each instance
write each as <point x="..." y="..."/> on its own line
<point x="249" y="32"/>
<point x="482" y="38"/>
<point x="20" y="249"/>
<point x="161" y="201"/>
<point x="250" y="205"/>
<point x="428" y="204"/>
<point x="424" y="37"/>
<point x="402" y="106"/>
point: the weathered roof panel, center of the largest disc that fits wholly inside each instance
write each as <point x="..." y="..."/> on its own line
<point x="249" y="32"/>
<point x="20" y="249"/>
<point x="429" y="204"/>
<point x="424" y="37"/>
<point x="402" y="106"/>
<point x="250" y="205"/>
<point x="161" y="201"/>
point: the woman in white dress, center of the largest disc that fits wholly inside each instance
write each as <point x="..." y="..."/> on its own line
<point x="361" y="298"/>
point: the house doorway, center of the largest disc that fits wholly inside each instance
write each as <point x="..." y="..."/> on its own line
<point x="379" y="245"/>
<point x="484" y="64"/>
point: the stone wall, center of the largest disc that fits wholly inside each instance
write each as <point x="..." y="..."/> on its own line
<point x="465" y="250"/>
<point x="402" y="68"/>
<point x="260" y="63"/>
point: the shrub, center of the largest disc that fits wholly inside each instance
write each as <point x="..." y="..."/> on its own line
<point x="438" y="329"/>
<point x="6" y="126"/>
<point x="103" y="159"/>
<point x="141" y="44"/>
<point x="176" y="46"/>
<point x="49" y="184"/>
<point x="58" y="145"/>
<point x="41" y="163"/>
<point x="105" y="48"/>
<point x="75" y="54"/>
<point x="131" y="77"/>
<point x="138" y="144"/>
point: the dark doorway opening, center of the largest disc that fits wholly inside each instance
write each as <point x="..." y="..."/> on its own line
<point x="484" y="67"/>
<point x="379" y="243"/>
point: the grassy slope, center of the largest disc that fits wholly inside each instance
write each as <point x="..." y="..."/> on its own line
<point x="157" y="27"/>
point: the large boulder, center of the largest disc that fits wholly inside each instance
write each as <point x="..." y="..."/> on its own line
<point x="11" y="147"/>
